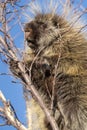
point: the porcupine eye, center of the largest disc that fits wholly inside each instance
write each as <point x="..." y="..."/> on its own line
<point x="43" y="26"/>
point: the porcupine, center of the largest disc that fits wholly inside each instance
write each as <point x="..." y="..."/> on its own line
<point x="57" y="50"/>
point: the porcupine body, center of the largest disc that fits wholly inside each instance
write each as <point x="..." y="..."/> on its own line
<point x="57" y="56"/>
<point x="63" y="59"/>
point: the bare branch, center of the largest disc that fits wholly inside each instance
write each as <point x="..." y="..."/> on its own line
<point x="34" y="92"/>
<point x="31" y="87"/>
<point x="9" y="114"/>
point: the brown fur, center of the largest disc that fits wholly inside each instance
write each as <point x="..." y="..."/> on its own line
<point x="65" y="48"/>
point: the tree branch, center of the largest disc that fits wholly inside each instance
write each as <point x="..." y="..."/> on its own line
<point x="9" y="114"/>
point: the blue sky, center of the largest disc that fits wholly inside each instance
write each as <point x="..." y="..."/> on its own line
<point x="13" y="91"/>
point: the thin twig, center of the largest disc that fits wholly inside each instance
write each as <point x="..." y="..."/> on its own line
<point x="9" y="114"/>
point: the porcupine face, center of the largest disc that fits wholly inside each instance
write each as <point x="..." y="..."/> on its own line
<point x="41" y="31"/>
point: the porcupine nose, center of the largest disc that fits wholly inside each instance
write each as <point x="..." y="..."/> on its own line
<point x="28" y="34"/>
